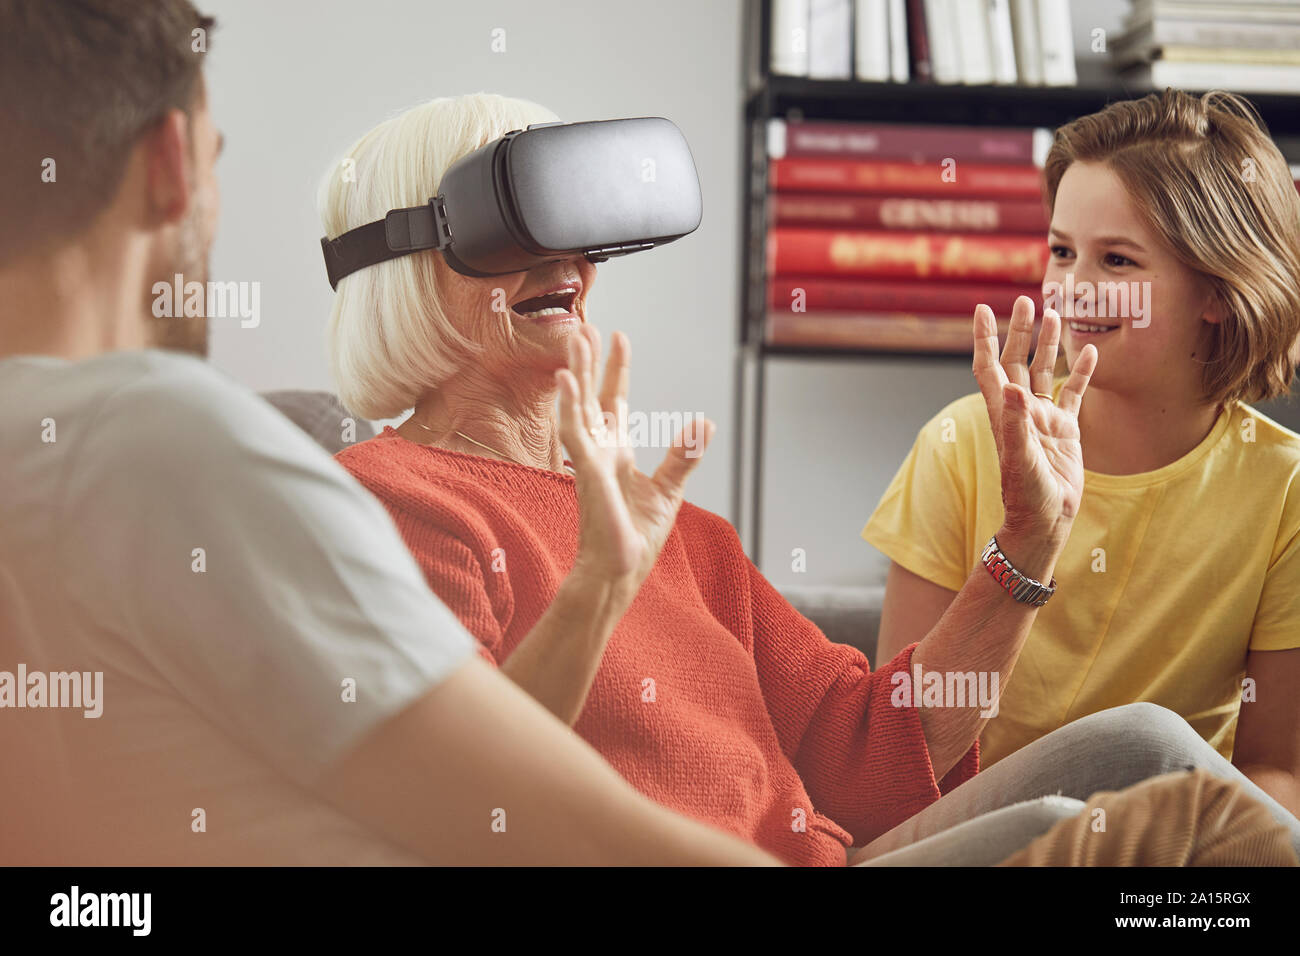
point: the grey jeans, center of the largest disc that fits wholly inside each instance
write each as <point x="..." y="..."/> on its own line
<point x="1003" y="808"/>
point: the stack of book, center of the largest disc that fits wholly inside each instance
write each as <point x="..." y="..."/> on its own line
<point x="886" y="237"/>
<point x="1026" y="42"/>
<point x="1251" y="46"/>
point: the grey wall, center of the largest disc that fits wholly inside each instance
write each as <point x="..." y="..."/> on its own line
<point x="837" y="430"/>
<point x="294" y="83"/>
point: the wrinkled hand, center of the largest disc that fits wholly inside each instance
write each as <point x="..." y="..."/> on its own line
<point x="1038" y="440"/>
<point x="626" y="516"/>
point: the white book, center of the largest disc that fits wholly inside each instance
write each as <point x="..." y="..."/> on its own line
<point x="945" y="65"/>
<point x="830" y="39"/>
<point x="1238" y="77"/>
<point x="1141" y="38"/>
<point x="1236" y="11"/>
<point x="1002" y="46"/>
<point x="1024" y="30"/>
<point x="776" y="138"/>
<point x="900" y="70"/>
<point x="790" y="37"/>
<point x="871" y="34"/>
<point x="972" y="25"/>
<point x="1041" y="144"/>
<point x="1057" y="41"/>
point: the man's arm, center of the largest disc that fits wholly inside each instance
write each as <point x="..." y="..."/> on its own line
<point x="476" y="749"/>
<point x="1267" y="745"/>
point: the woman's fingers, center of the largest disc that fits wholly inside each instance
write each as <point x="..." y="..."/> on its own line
<point x="579" y="364"/>
<point x="625" y="457"/>
<point x="988" y="371"/>
<point x="1015" y="357"/>
<point x="1016" y="427"/>
<point x="591" y="394"/>
<point x="1077" y="383"/>
<point x="573" y="427"/>
<point x="617" y="372"/>
<point x="686" y="451"/>
<point x="1049" y="338"/>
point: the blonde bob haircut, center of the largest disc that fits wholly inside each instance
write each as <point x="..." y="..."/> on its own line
<point x="1208" y="180"/>
<point x="390" y="339"/>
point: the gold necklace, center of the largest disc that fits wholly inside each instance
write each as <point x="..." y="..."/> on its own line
<point x="472" y="441"/>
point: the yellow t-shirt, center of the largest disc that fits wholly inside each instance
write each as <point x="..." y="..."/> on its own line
<point x="1168" y="577"/>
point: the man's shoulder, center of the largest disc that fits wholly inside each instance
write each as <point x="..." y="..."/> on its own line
<point x="155" y="383"/>
<point x="177" y="392"/>
<point x="142" y="409"/>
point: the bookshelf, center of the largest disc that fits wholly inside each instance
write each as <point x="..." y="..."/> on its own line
<point x="769" y="96"/>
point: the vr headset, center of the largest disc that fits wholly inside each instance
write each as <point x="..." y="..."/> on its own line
<point x="554" y="190"/>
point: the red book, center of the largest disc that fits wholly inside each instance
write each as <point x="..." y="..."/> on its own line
<point x="978" y="144"/>
<point x="901" y="178"/>
<point x="917" y="213"/>
<point x="906" y="255"/>
<point x="918" y="42"/>
<point x="820" y="294"/>
<point x="898" y="332"/>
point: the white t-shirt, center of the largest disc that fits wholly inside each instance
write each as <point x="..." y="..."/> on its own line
<point x="252" y="609"/>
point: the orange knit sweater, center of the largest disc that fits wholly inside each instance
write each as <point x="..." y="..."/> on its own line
<point x="714" y="696"/>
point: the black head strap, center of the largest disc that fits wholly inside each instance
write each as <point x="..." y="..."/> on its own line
<point x="400" y="233"/>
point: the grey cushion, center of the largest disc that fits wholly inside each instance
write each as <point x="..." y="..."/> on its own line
<point x="846" y="615"/>
<point x="321" y="416"/>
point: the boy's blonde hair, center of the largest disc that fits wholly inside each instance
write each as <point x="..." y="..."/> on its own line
<point x="1209" y="181"/>
<point x="390" y="338"/>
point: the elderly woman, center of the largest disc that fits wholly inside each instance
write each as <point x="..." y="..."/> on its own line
<point x="659" y="642"/>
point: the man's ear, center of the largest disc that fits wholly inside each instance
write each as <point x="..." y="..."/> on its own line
<point x="168" y="168"/>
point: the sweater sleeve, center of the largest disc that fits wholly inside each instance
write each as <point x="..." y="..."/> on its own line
<point x="863" y="760"/>
<point x="456" y="576"/>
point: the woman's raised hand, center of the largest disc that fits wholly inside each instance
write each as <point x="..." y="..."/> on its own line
<point x="1037" y="439"/>
<point x="626" y="516"/>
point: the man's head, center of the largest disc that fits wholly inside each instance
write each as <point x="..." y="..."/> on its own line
<point x="108" y="142"/>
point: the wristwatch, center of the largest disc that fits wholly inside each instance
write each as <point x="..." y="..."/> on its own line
<point x="1020" y="586"/>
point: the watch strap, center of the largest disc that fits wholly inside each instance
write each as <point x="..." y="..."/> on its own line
<point x="1020" y="586"/>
